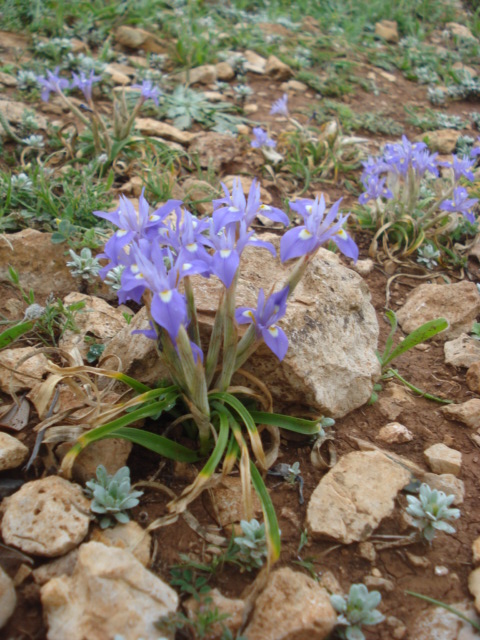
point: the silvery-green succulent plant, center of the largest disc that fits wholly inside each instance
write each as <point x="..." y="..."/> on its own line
<point x="357" y="609"/>
<point x="112" y="496"/>
<point x="431" y="510"/>
<point x="84" y="265"/>
<point x="252" y="545"/>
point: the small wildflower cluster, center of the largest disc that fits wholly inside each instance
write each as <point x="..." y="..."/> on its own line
<point x="52" y="82"/>
<point x="397" y="182"/>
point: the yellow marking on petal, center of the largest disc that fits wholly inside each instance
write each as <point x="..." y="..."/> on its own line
<point x="342" y="234"/>
<point x="273" y="331"/>
<point x="153" y="218"/>
<point x="248" y="314"/>
<point x="265" y="207"/>
<point x="305" y="234"/>
<point x="225" y="253"/>
<point x="166" y="295"/>
<point x="139" y="276"/>
<point x="192" y="247"/>
<point x="234" y="209"/>
<point x="121" y="233"/>
<point x="134" y="268"/>
<point x="186" y="266"/>
<point x="127" y="249"/>
<point x="308" y="208"/>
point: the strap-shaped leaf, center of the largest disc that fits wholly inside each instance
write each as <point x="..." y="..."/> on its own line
<point x="159" y="444"/>
<point x="271" y="523"/>
<point x="298" y="425"/>
<point x="392" y="318"/>
<point x="423" y="333"/>
<point x="10" y="335"/>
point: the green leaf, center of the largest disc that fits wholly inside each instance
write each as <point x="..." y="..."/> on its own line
<point x="389" y="342"/>
<point x="159" y="444"/>
<point x="298" y="425"/>
<point x="10" y="335"/>
<point x="423" y="333"/>
<point x="271" y="522"/>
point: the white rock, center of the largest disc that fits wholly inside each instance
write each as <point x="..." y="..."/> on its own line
<point x="467" y="412"/>
<point x="292" y="606"/>
<point x="395" y="433"/>
<point x="436" y="623"/>
<point x="442" y="140"/>
<point x="98" y="319"/>
<point x="18" y="377"/>
<point x="224" y="71"/>
<point x="232" y="608"/>
<point x="112" y="453"/>
<point x="206" y="74"/>
<point x="63" y="566"/>
<point x="46" y="517"/>
<point x="129" y="536"/>
<point x="448" y="483"/>
<point x="109" y="592"/>
<point x="255" y="63"/>
<point x="459" y="303"/>
<point x="393" y="400"/>
<point x="277" y="69"/>
<point x="463" y="351"/>
<point x="375" y="582"/>
<point x="353" y="498"/>
<point x="388" y="30"/>
<point x="459" y="30"/>
<point x="8" y="598"/>
<point x="152" y="127"/>
<point x="227" y="501"/>
<point x="12" y="452"/>
<point x="443" y="459"/>
<point x="364" y="267"/>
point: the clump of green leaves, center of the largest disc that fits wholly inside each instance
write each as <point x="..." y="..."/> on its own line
<point x="84" y="266"/>
<point x="112" y="496"/>
<point x="357" y="609"/>
<point x="476" y="330"/>
<point x="431" y="510"/>
<point x="252" y="545"/>
<point x="428" y="256"/>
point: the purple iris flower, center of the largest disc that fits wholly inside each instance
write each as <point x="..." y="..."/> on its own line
<point x="461" y="167"/>
<point x="187" y="239"/>
<point x="280" y="106"/>
<point x="265" y="317"/>
<point x="262" y="139"/>
<point x="318" y="229"/>
<point x="133" y="225"/>
<point x="84" y="83"/>
<point x="422" y="161"/>
<point x="460" y="203"/>
<point x="149" y="91"/>
<point x="375" y="188"/>
<point x="236" y="207"/>
<point x="52" y="82"/>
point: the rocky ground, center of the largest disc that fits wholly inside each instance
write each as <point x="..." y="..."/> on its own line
<point x="61" y="575"/>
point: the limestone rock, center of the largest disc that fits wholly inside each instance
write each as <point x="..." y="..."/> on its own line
<point x="448" y="483"/>
<point x="459" y="303"/>
<point x="353" y="498"/>
<point x="468" y="412"/>
<point x="393" y="401"/>
<point x="206" y="74"/>
<point x="12" y="452"/>
<point x="129" y="536"/>
<point x="136" y="38"/>
<point x="224" y="71"/>
<point x="233" y="608"/>
<point x="465" y="69"/>
<point x="292" y="607"/>
<point x="436" y="623"/>
<point x="112" y="453"/>
<point x="227" y="501"/>
<point x="152" y="127"/>
<point x="117" y="76"/>
<point x="294" y="85"/>
<point x="109" y="593"/>
<point x="277" y="69"/>
<point x="364" y="267"/>
<point x="26" y="374"/>
<point x="460" y="30"/>
<point x="476" y="550"/>
<point x="388" y="30"/>
<point x="46" y="517"/>
<point x="63" y="566"/>
<point x="473" y="377"/>
<point x="331" y="363"/>
<point x="7" y="80"/>
<point x="13" y="112"/>
<point x="50" y="275"/>
<point x="395" y="433"/>
<point x="255" y="63"/>
<point x="8" y="598"/>
<point x="442" y="459"/>
<point x="377" y="582"/>
<point x="215" y="149"/>
<point x="463" y="351"/>
<point x="474" y="587"/>
<point x="98" y="319"/>
<point x="442" y="140"/>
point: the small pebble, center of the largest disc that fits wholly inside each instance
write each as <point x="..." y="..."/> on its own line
<point x="441" y="571"/>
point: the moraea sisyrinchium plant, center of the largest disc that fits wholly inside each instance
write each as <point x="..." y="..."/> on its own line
<point x="159" y="252"/>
